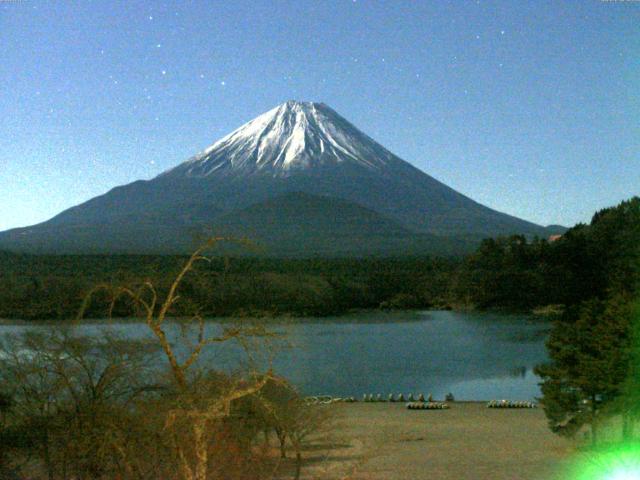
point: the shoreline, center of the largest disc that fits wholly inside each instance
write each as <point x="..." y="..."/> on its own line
<point x="541" y="313"/>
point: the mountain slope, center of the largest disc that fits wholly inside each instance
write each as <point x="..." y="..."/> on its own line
<point x="296" y="148"/>
<point x="299" y="224"/>
<point x="293" y="224"/>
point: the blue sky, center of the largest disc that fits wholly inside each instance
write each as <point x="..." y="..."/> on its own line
<point x="531" y="108"/>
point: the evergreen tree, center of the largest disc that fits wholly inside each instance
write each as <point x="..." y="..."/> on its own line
<point x="590" y="354"/>
<point x="629" y="403"/>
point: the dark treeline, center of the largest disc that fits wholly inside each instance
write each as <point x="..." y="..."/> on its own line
<point x="588" y="261"/>
<point x="514" y="273"/>
<point x="53" y="287"/>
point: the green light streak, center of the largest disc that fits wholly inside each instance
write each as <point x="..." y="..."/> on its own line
<point x="617" y="463"/>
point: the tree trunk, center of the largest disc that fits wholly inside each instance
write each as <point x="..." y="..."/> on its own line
<point x="201" y="446"/>
<point x="183" y="464"/>
<point x="47" y="455"/>
<point x="631" y="426"/>
<point x="626" y="427"/>
<point x="298" y="464"/>
<point x="594" y="426"/>
<point x="282" y="437"/>
<point x="64" y="465"/>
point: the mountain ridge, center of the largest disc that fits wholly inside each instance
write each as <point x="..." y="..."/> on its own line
<point x="295" y="147"/>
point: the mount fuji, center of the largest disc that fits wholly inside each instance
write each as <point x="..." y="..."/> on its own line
<point x="299" y="179"/>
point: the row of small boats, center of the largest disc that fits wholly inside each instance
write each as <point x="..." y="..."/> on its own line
<point x="321" y="399"/>
<point x="414" y="403"/>
<point x="510" y="404"/>
<point x="427" y="406"/>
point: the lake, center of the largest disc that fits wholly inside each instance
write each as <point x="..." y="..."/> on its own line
<point x="476" y="356"/>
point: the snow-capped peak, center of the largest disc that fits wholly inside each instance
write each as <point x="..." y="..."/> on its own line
<point x="294" y="136"/>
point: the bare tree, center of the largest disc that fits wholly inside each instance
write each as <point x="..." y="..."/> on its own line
<point x="72" y="397"/>
<point x="198" y="412"/>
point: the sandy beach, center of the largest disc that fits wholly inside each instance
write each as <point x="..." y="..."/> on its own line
<point x="469" y="441"/>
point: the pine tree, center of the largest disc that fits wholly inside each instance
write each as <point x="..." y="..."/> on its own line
<point x="629" y="404"/>
<point x="590" y="355"/>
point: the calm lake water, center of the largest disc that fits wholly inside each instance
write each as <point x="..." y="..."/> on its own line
<point x="476" y="356"/>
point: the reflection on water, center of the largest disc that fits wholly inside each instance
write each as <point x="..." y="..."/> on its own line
<point x="474" y="356"/>
<point x="519" y="372"/>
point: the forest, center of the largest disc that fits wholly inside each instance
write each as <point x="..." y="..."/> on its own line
<point x="53" y="287"/>
<point x="511" y="273"/>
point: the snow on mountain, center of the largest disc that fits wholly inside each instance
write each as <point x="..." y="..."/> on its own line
<point x="293" y="136"/>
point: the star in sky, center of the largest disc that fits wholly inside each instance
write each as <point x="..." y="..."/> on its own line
<point x="306" y="69"/>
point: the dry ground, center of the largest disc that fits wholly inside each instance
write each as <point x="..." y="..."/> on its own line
<point x="386" y="441"/>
